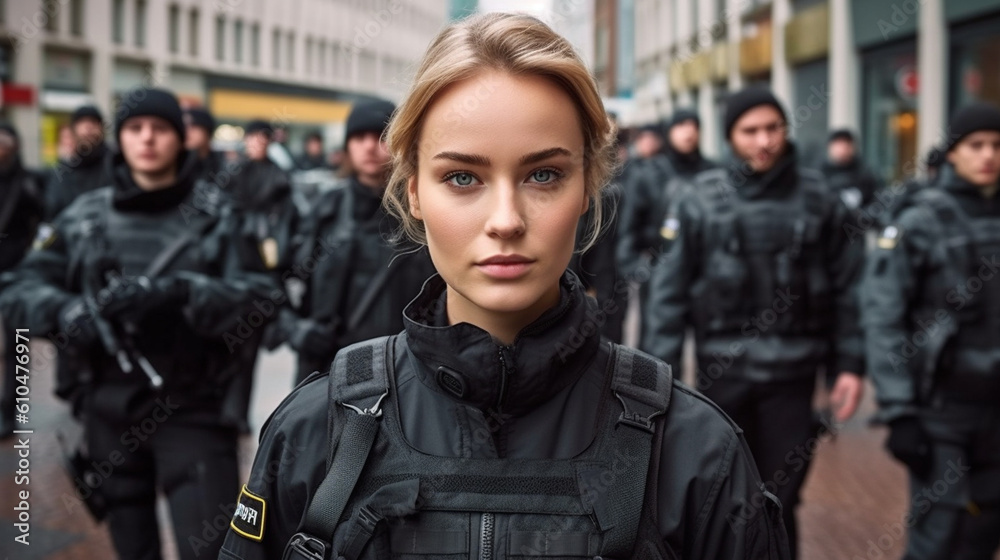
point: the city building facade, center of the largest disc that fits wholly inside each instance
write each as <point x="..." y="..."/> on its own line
<point x="299" y="63"/>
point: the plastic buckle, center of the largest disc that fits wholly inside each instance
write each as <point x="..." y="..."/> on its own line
<point x="375" y="410"/>
<point x="640" y="419"/>
<point x="304" y="547"/>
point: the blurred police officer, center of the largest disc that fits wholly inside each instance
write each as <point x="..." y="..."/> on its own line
<point x="138" y="276"/>
<point x="267" y="223"/>
<point x="313" y="156"/>
<point x="931" y="306"/>
<point x="760" y="266"/>
<point x="200" y="127"/>
<point x="845" y="172"/>
<point x="21" y="210"/>
<point x="654" y="185"/>
<point x="357" y="283"/>
<point x="87" y="169"/>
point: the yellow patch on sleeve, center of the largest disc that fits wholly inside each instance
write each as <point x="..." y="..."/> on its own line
<point x="248" y="520"/>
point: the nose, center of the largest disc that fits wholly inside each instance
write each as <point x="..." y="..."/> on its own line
<point x="506" y="218"/>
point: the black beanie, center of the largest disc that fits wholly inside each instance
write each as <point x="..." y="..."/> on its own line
<point x="200" y="117"/>
<point x="841" y="134"/>
<point x="746" y="99"/>
<point x="150" y="102"/>
<point x="258" y="125"/>
<point x="86" y="112"/>
<point x="972" y="118"/>
<point x="682" y="115"/>
<point x="369" y="116"/>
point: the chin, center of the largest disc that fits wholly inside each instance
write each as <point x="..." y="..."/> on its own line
<point x="505" y="297"/>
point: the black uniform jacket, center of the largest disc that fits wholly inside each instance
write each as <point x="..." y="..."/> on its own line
<point x="710" y="502"/>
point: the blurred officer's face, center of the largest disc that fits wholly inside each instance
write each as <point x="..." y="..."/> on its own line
<point x="8" y="148"/>
<point x="197" y="138"/>
<point x="500" y="190"/>
<point x="88" y="133"/>
<point x="150" y="145"/>
<point x="977" y="158"/>
<point x="840" y="151"/>
<point x="255" y="145"/>
<point x="684" y="137"/>
<point x="369" y="156"/>
<point x="314" y="147"/>
<point x="647" y="144"/>
<point x="760" y="137"/>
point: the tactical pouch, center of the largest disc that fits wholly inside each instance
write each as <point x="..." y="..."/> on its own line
<point x="81" y="472"/>
<point x="719" y="296"/>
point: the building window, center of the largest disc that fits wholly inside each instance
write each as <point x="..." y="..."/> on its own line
<point x="255" y="44"/>
<point x="238" y="42"/>
<point x="76" y="18"/>
<point x="174" y="28"/>
<point x="309" y="55"/>
<point x="193" y="33"/>
<point x="118" y="21"/>
<point x="50" y="9"/>
<point x="140" y="23"/>
<point x="220" y="38"/>
<point x="290" y="52"/>
<point x="276" y="49"/>
<point x="321" y="65"/>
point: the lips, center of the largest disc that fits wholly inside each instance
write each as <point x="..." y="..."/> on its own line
<point x="505" y="267"/>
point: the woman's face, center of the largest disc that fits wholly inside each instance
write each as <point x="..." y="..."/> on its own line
<point x="500" y="190"/>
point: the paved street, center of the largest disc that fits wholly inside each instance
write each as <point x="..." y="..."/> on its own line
<point x="854" y="500"/>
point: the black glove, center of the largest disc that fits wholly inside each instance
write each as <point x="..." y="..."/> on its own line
<point x="909" y="442"/>
<point x="77" y="323"/>
<point x="131" y="299"/>
<point x="312" y="338"/>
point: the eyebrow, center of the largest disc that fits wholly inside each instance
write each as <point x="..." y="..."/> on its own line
<point x="475" y="159"/>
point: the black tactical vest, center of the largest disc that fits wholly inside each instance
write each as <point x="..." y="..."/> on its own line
<point x="409" y="504"/>
<point x="759" y="250"/>
<point x="963" y="280"/>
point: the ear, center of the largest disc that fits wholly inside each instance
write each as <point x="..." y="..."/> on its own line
<point x="950" y="156"/>
<point x="586" y="204"/>
<point x="411" y="194"/>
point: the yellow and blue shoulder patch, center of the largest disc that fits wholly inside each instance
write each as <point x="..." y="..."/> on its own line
<point x="670" y="227"/>
<point x="889" y="238"/>
<point x="44" y="238"/>
<point x="248" y="520"/>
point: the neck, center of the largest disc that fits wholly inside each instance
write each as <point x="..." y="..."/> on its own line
<point x="503" y="326"/>
<point x="989" y="191"/>
<point x="155" y="181"/>
<point x="204" y="152"/>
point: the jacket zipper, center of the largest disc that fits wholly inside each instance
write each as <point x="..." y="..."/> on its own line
<point x="506" y="356"/>
<point x="486" y="537"/>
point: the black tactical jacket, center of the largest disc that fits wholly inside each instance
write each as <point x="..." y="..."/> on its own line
<point x="345" y="248"/>
<point x="189" y="345"/>
<point x="762" y="268"/>
<point x="931" y="302"/>
<point x="650" y="188"/>
<point x="533" y="399"/>
<point x="74" y="177"/>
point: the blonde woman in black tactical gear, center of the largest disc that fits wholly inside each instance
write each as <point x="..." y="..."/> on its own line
<point x="499" y="424"/>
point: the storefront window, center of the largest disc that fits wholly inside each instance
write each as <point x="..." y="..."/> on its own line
<point x="975" y="69"/>
<point x="890" y="110"/>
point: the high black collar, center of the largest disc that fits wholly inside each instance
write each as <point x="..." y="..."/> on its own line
<point x="775" y="182"/>
<point x="464" y="362"/>
<point x="129" y="197"/>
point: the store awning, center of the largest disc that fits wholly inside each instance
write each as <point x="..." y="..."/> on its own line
<point x="247" y="105"/>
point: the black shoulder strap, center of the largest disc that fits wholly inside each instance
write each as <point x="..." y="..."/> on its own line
<point x="359" y="381"/>
<point x="643" y="386"/>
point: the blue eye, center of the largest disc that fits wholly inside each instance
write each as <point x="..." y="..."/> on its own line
<point x="461" y="179"/>
<point x="545" y="176"/>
